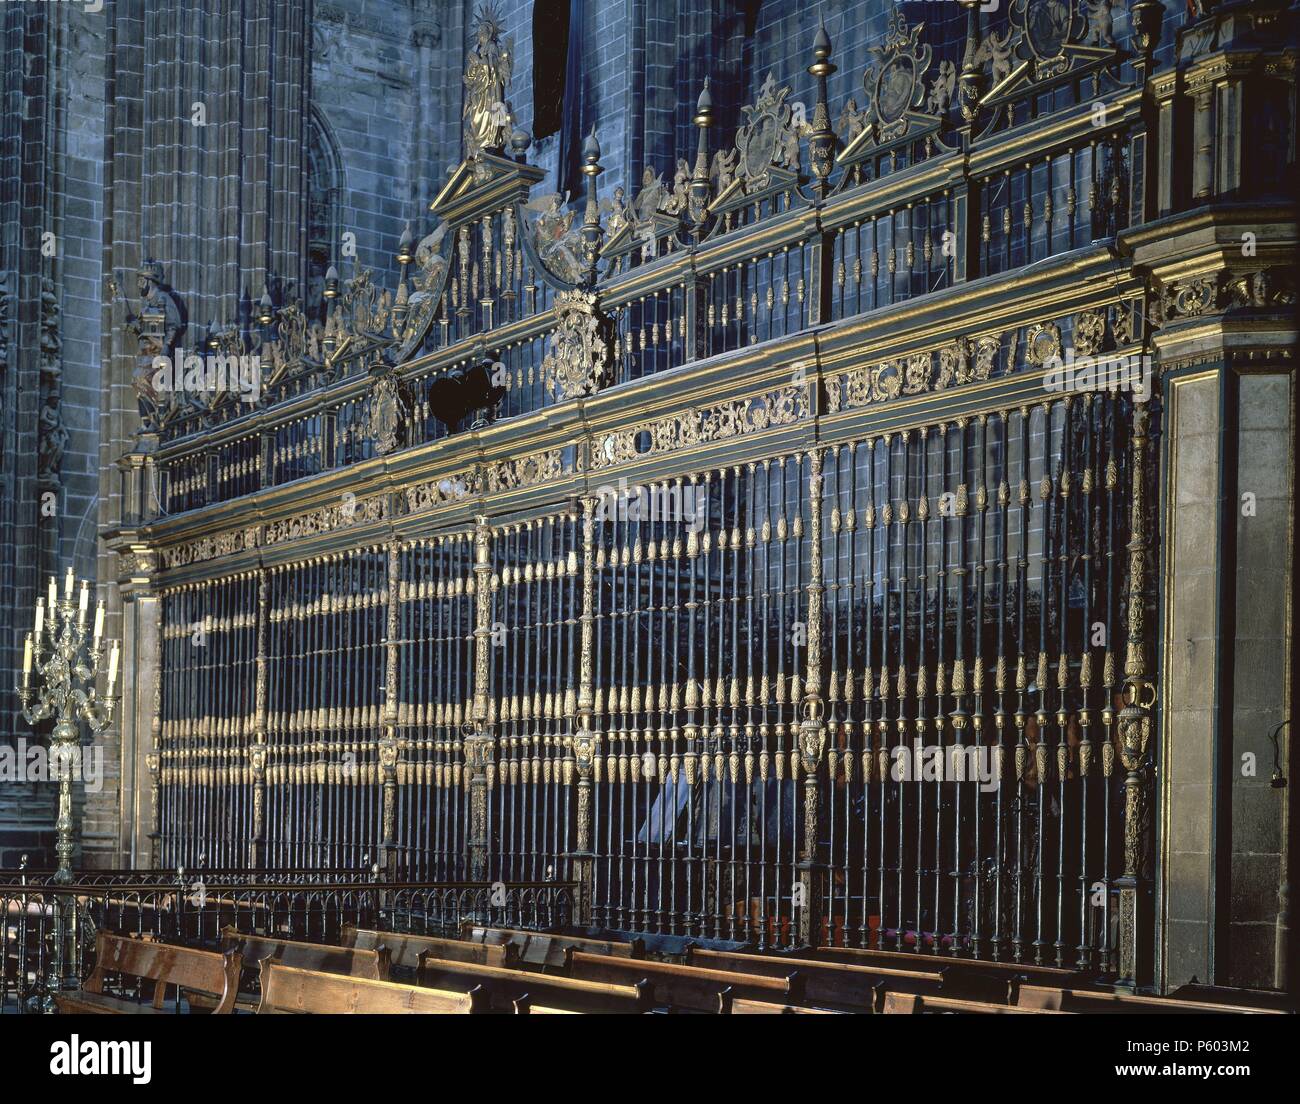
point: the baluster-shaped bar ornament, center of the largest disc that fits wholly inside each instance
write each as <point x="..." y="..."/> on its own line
<point x="1134" y="721"/>
<point x="388" y="744"/>
<point x="478" y="741"/>
<point x="71" y="660"/>
<point x="257" y="754"/>
<point x="586" y="742"/>
<point x="812" y="728"/>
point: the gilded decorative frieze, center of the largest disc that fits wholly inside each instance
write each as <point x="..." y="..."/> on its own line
<point x="1217" y="291"/>
<point x="209" y="548"/>
<point x="327" y="519"/>
<point x="735" y="418"/>
<point x="525" y="471"/>
<point x="439" y="492"/>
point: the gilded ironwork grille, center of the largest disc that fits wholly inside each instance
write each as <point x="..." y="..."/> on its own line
<point x="532" y="697"/>
<point x="948" y="599"/>
<point x="784" y="587"/>
<point x="206" y="706"/>
<point x="974" y="605"/>
<point x="436" y="680"/>
<point x="326" y="622"/>
<point x="700" y="633"/>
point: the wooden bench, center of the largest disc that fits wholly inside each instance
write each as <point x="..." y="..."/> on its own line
<point x="839" y="984"/>
<point x="182" y="968"/>
<point x="508" y="988"/>
<point x="404" y="949"/>
<point x="547" y="949"/>
<point x="744" y="1007"/>
<point x="912" y="1004"/>
<point x="1042" y="997"/>
<point x="320" y="957"/>
<point x="981" y="971"/>
<point x="524" y="1006"/>
<point x="287" y="989"/>
<point x="363" y="962"/>
<point x="689" y="988"/>
<point x="1256" y="1000"/>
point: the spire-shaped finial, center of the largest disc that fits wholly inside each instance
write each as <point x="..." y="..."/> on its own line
<point x="822" y="43"/>
<point x="704" y="107"/>
<point x="821" y="140"/>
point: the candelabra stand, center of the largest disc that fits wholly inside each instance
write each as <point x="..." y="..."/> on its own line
<point x="66" y="666"/>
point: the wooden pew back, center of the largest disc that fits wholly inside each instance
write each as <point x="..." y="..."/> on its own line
<point x="911" y="1004"/>
<point x="509" y="987"/>
<point x="841" y="984"/>
<point x="287" y="989"/>
<point x="933" y="963"/>
<point x="742" y="1007"/>
<point x="164" y="964"/>
<point x="318" y="957"/>
<point x="547" y="949"/>
<point x="1041" y="997"/>
<point x="404" y="949"/>
<point x="688" y="987"/>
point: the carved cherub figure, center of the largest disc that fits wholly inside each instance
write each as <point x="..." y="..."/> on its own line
<point x="723" y="170"/>
<point x="1101" y="29"/>
<point x="942" y="89"/>
<point x="558" y="243"/>
<point x="618" y="210"/>
<point x="851" y="122"/>
<point x="996" y="53"/>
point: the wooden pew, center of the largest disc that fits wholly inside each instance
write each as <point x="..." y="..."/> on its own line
<point x="186" y="969"/>
<point x="969" y="974"/>
<point x="321" y="957"/>
<point x="507" y="988"/>
<point x="286" y="989"/>
<point x="839" y="984"/>
<point x="362" y="962"/>
<point x="744" y="1007"/>
<point x="688" y="988"/>
<point x="912" y="1004"/>
<point x="524" y="1006"/>
<point x="546" y="950"/>
<point x="404" y="949"/>
<point x="1244" y="999"/>
<point x="1041" y="997"/>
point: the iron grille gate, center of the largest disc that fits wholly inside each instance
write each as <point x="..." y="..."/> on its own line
<point x="872" y="694"/>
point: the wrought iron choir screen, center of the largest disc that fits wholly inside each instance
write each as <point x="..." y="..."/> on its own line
<point x="728" y="553"/>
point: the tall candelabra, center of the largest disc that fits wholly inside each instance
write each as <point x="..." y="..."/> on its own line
<point x="66" y="670"/>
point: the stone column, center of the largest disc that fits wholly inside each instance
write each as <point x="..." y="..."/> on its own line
<point x="1228" y="566"/>
<point x="138" y="716"/>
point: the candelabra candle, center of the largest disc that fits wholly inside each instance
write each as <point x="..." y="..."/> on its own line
<point x="67" y="666"/>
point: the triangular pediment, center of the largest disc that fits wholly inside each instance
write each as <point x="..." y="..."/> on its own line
<point x="486" y="182"/>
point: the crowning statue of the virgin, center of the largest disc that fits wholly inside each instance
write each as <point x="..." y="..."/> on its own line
<point x="487" y="74"/>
